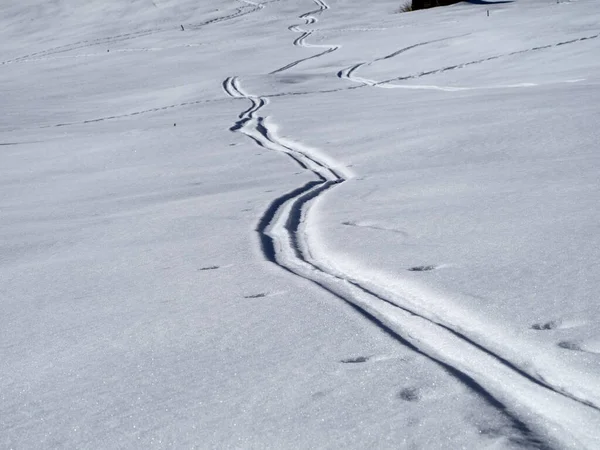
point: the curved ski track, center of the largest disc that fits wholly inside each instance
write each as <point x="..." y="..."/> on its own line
<point x="536" y="373"/>
<point x="309" y="19"/>
<point x="535" y="406"/>
<point x="348" y="73"/>
<point x="284" y="242"/>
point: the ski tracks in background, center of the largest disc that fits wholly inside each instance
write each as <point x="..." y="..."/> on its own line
<point x="309" y="19"/>
<point x="248" y="7"/>
<point x="349" y="72"/>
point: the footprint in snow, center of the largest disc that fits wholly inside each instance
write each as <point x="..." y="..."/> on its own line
<point x="319" y="394"/>
<point x="411" y="394"/>
<point x="357" y="360"/>
<point x="570" y="345"/>
<point x="586" y="346"/>
<point x="261" y="295"/>
<point x="422" y="268"/>
<point x="560" y="324"/>
<point x="551" y="325"/>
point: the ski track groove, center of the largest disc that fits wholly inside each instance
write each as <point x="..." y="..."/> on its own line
<point x="309" y="19"/>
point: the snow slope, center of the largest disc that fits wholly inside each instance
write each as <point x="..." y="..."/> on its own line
<point x="299" y="224"/>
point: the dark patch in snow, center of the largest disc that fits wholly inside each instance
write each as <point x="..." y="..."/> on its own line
<point x="410" y="394"/>
<point x="262" y="294"/>
<point x="570" y="345"/>
<point x="358" y="359"/>
<point x="209" y="268"/>
<point x="421" y="268"/>
<point x="545" y="326"/>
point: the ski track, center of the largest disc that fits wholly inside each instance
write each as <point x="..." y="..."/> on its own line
<point x="284" y="242"/>
<point x="309" y="19"/>
<point x="132" y="114"/>
<point x="89" y="55"/>
<point x="248" y="8"/>
<point x="535" y="373"/>
<point x="83" y="44"/>
<point x="348" y="73"/>
<point x="532" y="402"/>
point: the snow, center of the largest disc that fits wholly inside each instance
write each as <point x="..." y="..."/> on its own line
<point x="299" y="224"/>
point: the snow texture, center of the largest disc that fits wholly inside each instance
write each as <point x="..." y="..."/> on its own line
<point x="299" y="224"/>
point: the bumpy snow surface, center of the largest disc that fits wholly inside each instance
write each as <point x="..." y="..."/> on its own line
<point x="299" y="224"/>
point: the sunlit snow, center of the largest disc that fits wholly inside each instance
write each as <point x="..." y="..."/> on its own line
<point x="299" y="224"/>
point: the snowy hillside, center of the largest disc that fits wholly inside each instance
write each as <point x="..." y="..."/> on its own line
<point x="299" y="224"/>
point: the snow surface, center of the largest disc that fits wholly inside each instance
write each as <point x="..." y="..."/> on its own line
<point x="299" y="224"/>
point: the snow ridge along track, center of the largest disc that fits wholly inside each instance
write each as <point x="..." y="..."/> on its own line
<point x="283" y="238"/>
<point x="309" y="19"/>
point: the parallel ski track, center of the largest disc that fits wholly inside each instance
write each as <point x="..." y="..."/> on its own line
<point x="283" y="241"/>
<point x="309" y="19"/>
<point x="534" y="373"/>
<point x="536" y="407"/>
